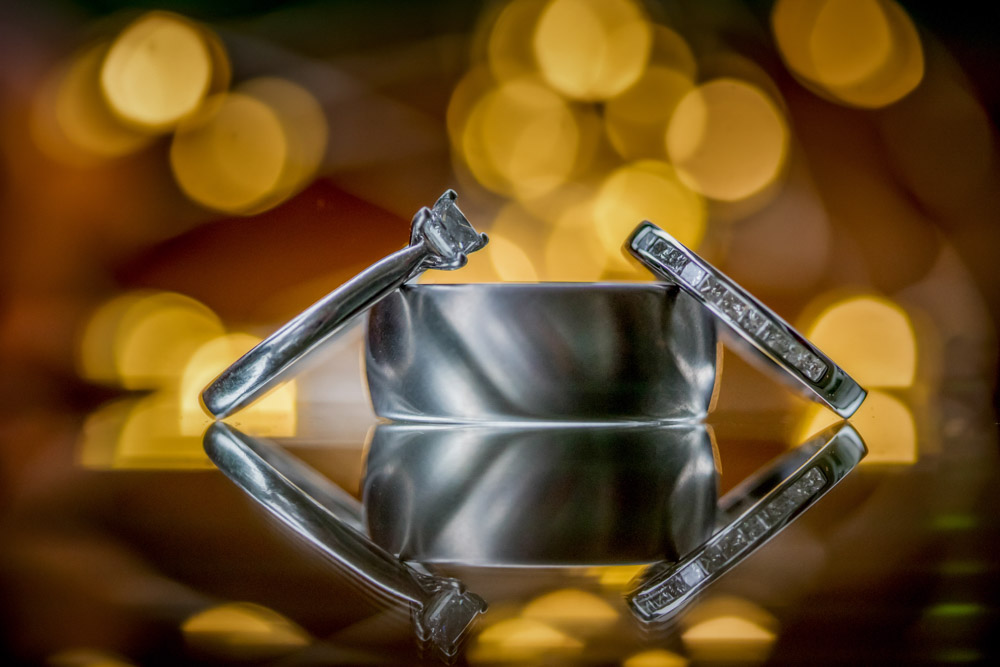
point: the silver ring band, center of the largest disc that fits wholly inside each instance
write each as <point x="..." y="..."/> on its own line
<point x="328" y="518"/>
<point x="760" y="509"/>
<point x="761" y="335"/>
<point x="440" y="238"/>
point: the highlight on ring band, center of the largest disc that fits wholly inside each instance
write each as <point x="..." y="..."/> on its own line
<point x="440" y="238"/>
<point x="772" y="337"/>
<point x="762" y="510"/>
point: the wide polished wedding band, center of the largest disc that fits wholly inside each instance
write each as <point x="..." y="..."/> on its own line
<point x="761" y="335"/>
<point x="440" y="238"/>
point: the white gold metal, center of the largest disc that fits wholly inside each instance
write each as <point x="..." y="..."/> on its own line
<point x="759" y="333"/>
<point x="753" y="513"/>
<point x="440" y="238"/>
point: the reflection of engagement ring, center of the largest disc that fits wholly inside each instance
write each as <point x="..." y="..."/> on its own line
<point x="758" y="509"/>
<point x="775" y="341"/>
<point x="329" y="518"/>
<point x="440" y="238"/>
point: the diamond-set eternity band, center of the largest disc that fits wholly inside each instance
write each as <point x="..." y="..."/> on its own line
<point x="774" y="340"/>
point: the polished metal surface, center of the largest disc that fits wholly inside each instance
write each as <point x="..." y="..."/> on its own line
<point x="579" y="352"/>
<point x="440" y="238"/>
<point x="527" y="496"/>
<point x="754" y="512"/>
<point x="761" y="336"/>
<point x="324" y="515"/>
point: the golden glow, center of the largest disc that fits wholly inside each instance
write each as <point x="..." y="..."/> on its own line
<point x="151" y="438"/>
<point x="521" y="139"/>
<point x="508" y="52"/>
<point x="305" y="130"/>
<point x="850" y="40"/>
<point x="727" y="139"/>
<point x="520" y="639"/>
<point x="85" y="657"/>
<point x="592" y="49"/>
<point x="274" y="415"/>
<point x="670" y="50"/>
<point x="616" y="576"/>
<point x="885" y="423"/>
<point x="636" y="120"/>
<point x="647" y="190"/>
<point x="571" y="609"/>
<point x="510" y="262"/>
<point x="871" y="337"/>
<point x="157" y="71"/>
<point x="573" y="251"/>
<point x="655" y="658"/>
<point x="153" y="339"/>
<point x="729" y="629"/>
<point x="140" y="434"/>
<point x="96" y="350"/>
<point x="864" y="53"/>
<point x="71" y="121"/>
<point x="231" y="156"/>
<point x="242" y="630"/>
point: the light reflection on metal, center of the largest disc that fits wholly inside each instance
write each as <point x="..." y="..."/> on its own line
<point x="502" y="352"/>
<point x="754" y="512"/>
<point x="327" y="518"/>
<point x="493" y="496"/>
<point x="729" y="629"/>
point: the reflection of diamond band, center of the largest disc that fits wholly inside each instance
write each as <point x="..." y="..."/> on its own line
<point x="761" y="513"/>
<point x="440" y="238"/>
<point x="755" y="324"/>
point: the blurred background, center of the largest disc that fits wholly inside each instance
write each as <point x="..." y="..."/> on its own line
<point x="178" y="178"/>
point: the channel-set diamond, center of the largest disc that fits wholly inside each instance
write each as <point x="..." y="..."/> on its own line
<point x="677" y="582"/>
<point x="737" y="311"/>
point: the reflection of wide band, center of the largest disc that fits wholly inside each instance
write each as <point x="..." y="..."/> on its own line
<point x="759" y="331"/>
<point x="586" y="495"/>
<point x="546" y="351"/>
<point x="757" y="510"/>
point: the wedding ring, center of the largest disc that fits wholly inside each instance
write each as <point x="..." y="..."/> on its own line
<point x="760" y="335"/>
<point x="754" y="512"/>
<point x="541" y="352"/>
<point x="326" y="516"/>
<point x="440" y="238"/>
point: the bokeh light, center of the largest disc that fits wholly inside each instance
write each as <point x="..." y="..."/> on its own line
<point x="592" y="49"/>
<point x="243" y="631"/>
<point x="636" y="120"/>
<point x="724" y="629"/>
<point x="159" y="70"/>
<point x="86" y="657"/>
<point x="727" y="139"/>
<point x="574" y="251"/>
<point x="656" y="657"/>
<point x="521" y="139"/>
<point x="871" y="337"/>
<point x="521" y="639"/>
<point x="141" y="340"/>
<point x="647" y="190"/>
<point x="885" y="422"/>
<point x="572" y="610"/>
<point x="140" y="434"/>
<point x="508" y="52"/>
<point x="273" y="415"/>
<point x="71" y="121"/>
<point x="864" y="53"/>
